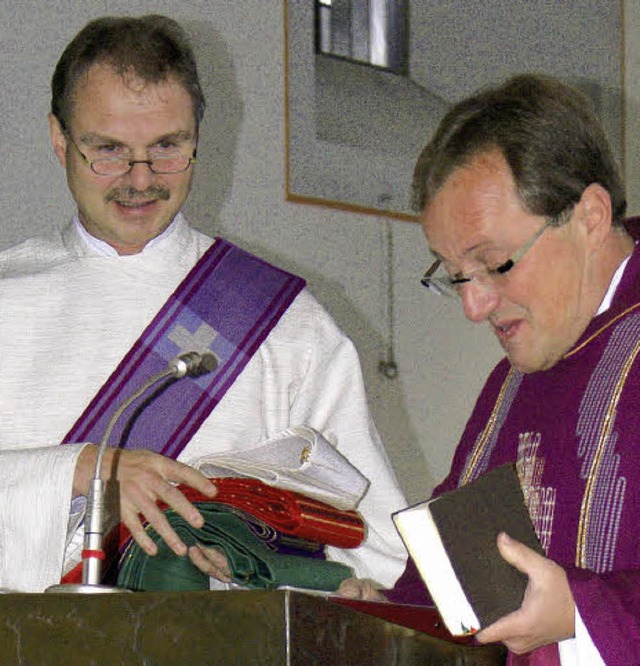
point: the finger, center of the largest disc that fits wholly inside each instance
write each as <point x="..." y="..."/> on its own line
<point x="499" y="630"/>
<point x="182" y="473"/>
<point x="139" y="534"/>
<point x="353" y="588"/>
<point x="174" y="498"/>
<point x="217" y="558"/>
<point x="350" y="589"/>
<point x="199" y="557"/>
<point x="517" y="554"/>
<point x="158" y="520"/>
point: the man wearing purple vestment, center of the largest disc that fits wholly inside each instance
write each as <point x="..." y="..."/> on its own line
<point x="523" y="208"/>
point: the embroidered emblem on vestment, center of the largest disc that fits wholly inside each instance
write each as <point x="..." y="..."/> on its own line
<point x="541" y="502"/>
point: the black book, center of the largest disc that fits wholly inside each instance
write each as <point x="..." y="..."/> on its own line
<point x="452" y="540"/>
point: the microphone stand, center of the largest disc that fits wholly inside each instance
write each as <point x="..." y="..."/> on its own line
<point x="192" y="364"/>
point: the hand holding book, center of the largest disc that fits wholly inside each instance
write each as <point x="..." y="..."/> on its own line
<point x="452" y="539"/>
<point x="547" y="613"/>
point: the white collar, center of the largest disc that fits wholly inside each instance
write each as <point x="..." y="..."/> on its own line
<point x="613" y="285"/>
<point x="103" y="248"/>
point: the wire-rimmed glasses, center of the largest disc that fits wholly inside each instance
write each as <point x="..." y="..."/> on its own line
<point x="169" y="162"/>
<point x="447" y="285"/>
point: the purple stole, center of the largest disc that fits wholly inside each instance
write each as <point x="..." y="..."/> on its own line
<point x="227" y="305"/>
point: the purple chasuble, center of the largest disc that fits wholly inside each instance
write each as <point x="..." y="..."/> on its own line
<point x="574" y="433"/>
<point x="226" y="305"/>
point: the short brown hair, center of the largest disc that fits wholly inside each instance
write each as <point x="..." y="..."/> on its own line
<point x="151" y="47"/>
<point x="547" y="133"/>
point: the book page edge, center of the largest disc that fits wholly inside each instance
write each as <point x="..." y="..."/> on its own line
<point x="422" y="539"/>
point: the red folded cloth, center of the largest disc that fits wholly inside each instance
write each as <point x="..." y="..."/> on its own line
<point x="287" y="511"/>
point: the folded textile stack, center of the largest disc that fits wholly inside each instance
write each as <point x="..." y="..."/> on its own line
<point x="271" y="537"/>
<point x="289" y="496"/>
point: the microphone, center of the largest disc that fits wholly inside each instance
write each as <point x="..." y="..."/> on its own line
<point x="189" y="364"/>
<point x="193" y="364"/>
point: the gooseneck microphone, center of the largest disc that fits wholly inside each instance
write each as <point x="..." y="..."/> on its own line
<point x="189" y="364"/>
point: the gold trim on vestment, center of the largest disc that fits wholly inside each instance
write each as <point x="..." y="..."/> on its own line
<point x="478" y="449"/>
<point x="600" y="330"/>
<point x="605" y="432"/>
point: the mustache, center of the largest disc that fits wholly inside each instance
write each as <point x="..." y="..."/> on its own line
<point x="131" y="195"/>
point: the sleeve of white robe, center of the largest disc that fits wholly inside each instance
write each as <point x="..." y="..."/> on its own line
<point x="331" y="398"/>
<point x="35" y="495"/>
<point x="580" y="651"/>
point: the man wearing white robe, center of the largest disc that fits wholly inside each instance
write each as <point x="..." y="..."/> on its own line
<point x="73" y="304"/>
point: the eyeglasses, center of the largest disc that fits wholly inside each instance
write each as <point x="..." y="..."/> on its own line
<point x="170" y="161"/>
<point x="446" y="285"/>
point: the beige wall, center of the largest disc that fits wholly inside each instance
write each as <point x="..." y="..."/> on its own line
<point x="631" y="13"/>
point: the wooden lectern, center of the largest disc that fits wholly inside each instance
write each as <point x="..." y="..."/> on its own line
<point x="239" y="628"/>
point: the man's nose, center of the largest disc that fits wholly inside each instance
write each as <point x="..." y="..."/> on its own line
<point x="478" y="300"/>
<point x="141" y="175"/>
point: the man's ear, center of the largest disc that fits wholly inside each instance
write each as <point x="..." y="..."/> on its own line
<point x="58" y="140"/>
<point x="595" y="213"/>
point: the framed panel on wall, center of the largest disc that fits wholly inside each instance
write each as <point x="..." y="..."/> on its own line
<point x="354" y="128"/>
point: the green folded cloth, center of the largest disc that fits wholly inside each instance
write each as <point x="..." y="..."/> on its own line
<point x="252" y="563"/>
